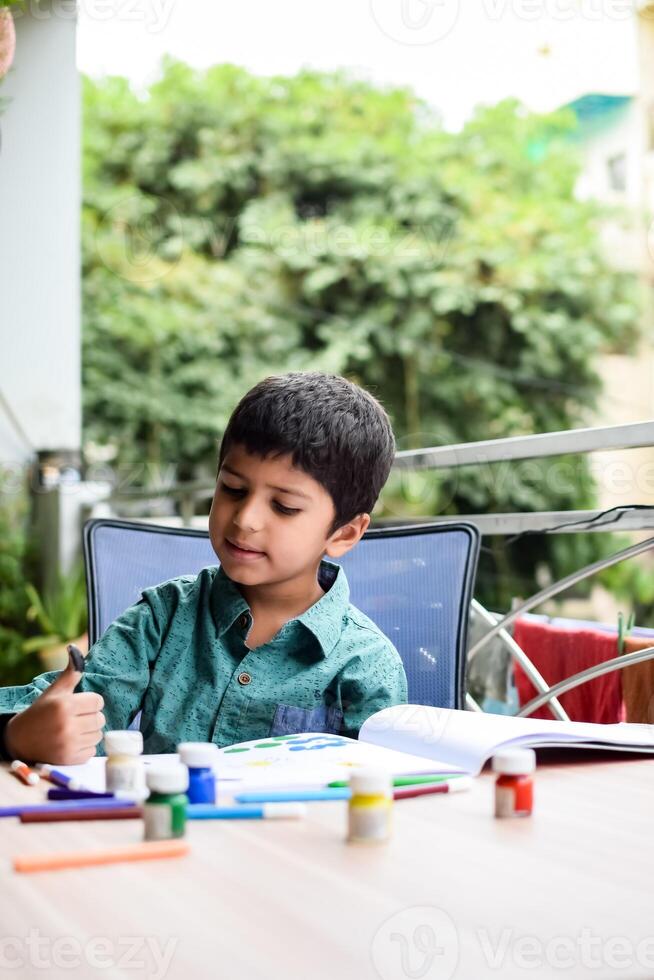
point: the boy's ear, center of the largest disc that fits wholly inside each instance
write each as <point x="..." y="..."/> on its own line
<point x="345" y="537"/>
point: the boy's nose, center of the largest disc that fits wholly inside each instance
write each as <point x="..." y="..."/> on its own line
<point x="248" y="516"/>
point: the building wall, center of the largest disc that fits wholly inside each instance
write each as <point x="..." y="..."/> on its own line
<point x="40" y="238"/>
<point x="628" y="380"/>
<point x="621" y="135"/>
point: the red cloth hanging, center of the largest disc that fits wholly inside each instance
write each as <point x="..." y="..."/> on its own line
<point x="638" y="682"/>
<point x="558" y="653"/>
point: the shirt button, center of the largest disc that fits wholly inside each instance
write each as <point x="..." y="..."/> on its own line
<point x="243" y="621"/>
<point x="244" y="678"/>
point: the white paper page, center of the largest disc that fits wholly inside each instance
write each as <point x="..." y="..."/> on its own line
<point x="468" y="738"/>
<point x="311" y="759"/>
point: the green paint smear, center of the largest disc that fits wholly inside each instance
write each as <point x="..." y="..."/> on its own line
<point x="229" y="751"/>
<point x="266" y="745"/>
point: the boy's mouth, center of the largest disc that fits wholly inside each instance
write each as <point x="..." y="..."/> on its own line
<point x="241" y="552"/>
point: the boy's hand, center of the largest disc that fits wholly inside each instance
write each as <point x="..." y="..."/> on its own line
<point x="59" y="727"/>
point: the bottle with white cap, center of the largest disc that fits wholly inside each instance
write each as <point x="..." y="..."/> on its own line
<point x="125" y="773"/>
<point x="369" y="811"/>
<point x="164" y="813"/>
<point x="514" y="787"/>
<point x="200" y="758"/>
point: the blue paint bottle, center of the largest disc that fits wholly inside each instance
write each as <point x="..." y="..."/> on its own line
<point x="200" y="757"/>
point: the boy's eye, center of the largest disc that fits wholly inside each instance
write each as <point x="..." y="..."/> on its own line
<point x="232" y="491"/>
<point x="240" y="491"/>
<point x="285" y="510"/>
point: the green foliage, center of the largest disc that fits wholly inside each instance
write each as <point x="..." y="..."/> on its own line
<point x="236" y="226"/>
<point x="633" y="580"/>
<point x="15" y="564"/>
<point x="60" y="614"/>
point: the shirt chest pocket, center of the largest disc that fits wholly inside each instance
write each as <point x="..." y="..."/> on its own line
<point x="292" y="720"/>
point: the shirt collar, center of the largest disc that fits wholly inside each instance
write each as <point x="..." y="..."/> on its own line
<point x="324" y="619"/>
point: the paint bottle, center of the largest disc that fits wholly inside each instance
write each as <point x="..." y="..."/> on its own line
<point x="125" y="773"/>
<point x="514" y="787"/>
<point x="164" y="813"/>
<point x="370" y="806"/>
<point x="200" y="758"/>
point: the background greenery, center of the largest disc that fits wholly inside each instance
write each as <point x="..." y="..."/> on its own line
<point x="16" y="567"/>
<point x="236" y="226"/>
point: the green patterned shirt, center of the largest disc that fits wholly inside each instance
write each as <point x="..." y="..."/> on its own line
<point x="179" y="656"/>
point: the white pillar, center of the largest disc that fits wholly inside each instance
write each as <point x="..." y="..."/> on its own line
<point x="40" y="206"/>
<point x="40" y="190"/>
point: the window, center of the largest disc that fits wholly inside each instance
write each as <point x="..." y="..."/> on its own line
<point x="617" y="169"/>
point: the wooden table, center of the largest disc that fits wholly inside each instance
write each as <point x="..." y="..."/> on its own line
<point x="456" y="894"/>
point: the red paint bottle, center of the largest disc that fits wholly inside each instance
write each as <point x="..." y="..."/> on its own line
<point x="514" y="787"/>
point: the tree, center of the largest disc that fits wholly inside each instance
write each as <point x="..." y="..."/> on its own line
<point x="236" y="226"/>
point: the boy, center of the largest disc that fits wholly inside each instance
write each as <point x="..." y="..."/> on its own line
<point x="267" y="642"/>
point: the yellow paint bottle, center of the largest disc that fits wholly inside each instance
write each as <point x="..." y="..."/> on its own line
<point x="370" y="807"/>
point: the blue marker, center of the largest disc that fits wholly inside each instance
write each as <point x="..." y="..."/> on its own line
<point x="292" y="796"/>
<point x="267" y="811"/>
<point x="15" y="811"/>
<point x="58" y="777"/>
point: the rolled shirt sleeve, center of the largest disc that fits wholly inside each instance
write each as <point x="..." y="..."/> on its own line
<point x="117" y="666"/>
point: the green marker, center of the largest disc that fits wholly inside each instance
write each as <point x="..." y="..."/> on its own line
<point x="405" y="780"/>
<point x="416" y="780"/>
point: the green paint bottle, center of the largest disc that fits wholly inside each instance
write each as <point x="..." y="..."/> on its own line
<point x="164" y="812"/>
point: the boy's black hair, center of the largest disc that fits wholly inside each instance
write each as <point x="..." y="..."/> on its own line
<point x="333" y="429"/>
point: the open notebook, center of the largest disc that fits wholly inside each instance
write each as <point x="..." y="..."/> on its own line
<point x="404" y="740"/>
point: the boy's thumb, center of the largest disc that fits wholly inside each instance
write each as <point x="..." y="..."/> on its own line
<point x="69" y="677"/>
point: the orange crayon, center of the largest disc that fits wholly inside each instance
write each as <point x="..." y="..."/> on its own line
<point x="144" y="851"/>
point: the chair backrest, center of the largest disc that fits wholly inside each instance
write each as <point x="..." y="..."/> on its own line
<point x="414" y="582"/>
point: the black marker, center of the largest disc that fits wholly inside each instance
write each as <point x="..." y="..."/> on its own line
<point x="76" y="657"/>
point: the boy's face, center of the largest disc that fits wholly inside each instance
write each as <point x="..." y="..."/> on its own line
<point x="269" y="522"/>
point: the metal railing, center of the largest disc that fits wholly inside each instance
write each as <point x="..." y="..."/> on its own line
<point x="637" y="435"/>
<point x="577" y="441"/>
